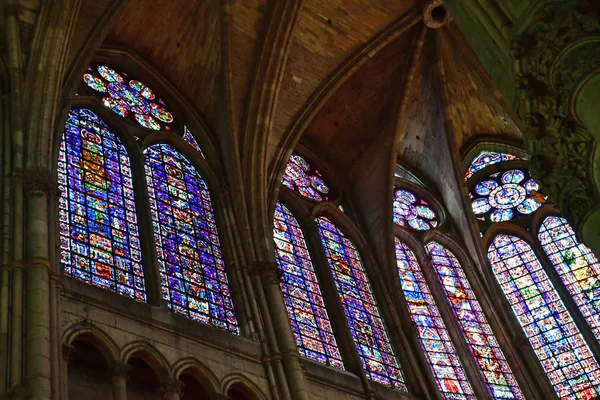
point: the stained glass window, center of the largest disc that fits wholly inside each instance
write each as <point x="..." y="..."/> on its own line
<point x="369" y="333"/>
<point x="555" y="338"/>
<point x="99" y="238"/>
<point x="485" y="159"/>
<point x="300" y="176"/>
<point x="192" y="269"/>
<point x="431" y="330"/>
<point x="128" y="98"/>
<point x="300" y="286"/>
<point x="504" y="196"/>
<point x="576" y="265"/>
<point x="484" y="347"/>
<point x="412" y="211"/>
<point x="188" y="137"/>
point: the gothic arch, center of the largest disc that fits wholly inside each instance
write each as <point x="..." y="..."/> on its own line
<point x="195" y="368"/>
<point x="144" y="350"/>
<point x="345" y="224"/>
<point x="244" y="384"/>
<point x="480" y="143"/>
<point x="94" y="335"/>
<point x="129" y="60"/>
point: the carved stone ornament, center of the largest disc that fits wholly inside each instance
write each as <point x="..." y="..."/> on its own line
<point x="268" y="271"/>
<point x="548" y="73"/>
<point x="435" y="14"/>
<point x="119" y="369"/>
<point x="171" y="386"/>
<point x="37" y="180"/>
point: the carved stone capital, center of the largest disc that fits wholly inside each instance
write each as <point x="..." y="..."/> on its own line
<point x="119" y="370"/>
<point x="37" y="181"/>
<point x="268" y="271"/>
<point x="170" y="386"/>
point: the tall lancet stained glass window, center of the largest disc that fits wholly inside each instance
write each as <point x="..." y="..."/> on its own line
<point x="300" y="286"/>
<point x="192" y="269"/>
<point x="576" y="265"/>
<point x="555" y="338"/>
<point x="366" y="325"/>
<point x="431" y="330"/>
<point x="99" y="239"/>
<point x="484" y="347"/>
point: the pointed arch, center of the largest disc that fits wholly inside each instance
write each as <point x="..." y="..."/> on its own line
<point x="360" y="307"/>
<point x="552" y="332"/>
<point x="99" y="238"/>
<point x="576" y="265"/>
<point x="482" y="343"/>
<point x="301" y="291"/>
<point x="191" y="265"/>
<point x="432" y="333"/>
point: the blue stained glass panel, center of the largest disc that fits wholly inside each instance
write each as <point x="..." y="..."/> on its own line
<point x="485" y="159"/>
<point x="576" y="265"/>
<point x="556" y="340"/>
<point x="192" y="269"/>
<point x="433" y="336"/>
<point x="188" y="137"/>
<point x="99" y="239"/>
<point x="302" y="293"/>
<point x="484" y="347"/>
<point x="369" y="333"/>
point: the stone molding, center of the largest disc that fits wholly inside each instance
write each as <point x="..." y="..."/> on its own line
<point x="119" y="370"/>
<point x="169" y="386"/>
<point x="550" y="68"/>
<point x="37" y="181"/>
<point x="268" y="271"/>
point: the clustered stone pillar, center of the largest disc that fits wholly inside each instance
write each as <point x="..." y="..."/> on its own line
<point x="268" y="274"/>
<point x="38" y="185"/>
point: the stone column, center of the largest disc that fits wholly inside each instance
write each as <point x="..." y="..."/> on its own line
<point x="171" y="389"/>
<point x="269" y="277"/>
<point x="119" y="373"/>
<point x="38" y="185"/>
<point x="67" y="353"/>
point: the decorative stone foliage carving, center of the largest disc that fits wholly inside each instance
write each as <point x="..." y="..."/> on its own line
<point x="554" y="56"/>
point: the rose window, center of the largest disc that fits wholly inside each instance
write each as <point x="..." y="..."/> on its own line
<point x="304" y="179"/>
<point x="502" y="196"/>
<point x="128" y="98"/>
<point x="411" y="211"/>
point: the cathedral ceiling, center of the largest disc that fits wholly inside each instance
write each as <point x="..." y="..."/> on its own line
<point x="353" y="55"/>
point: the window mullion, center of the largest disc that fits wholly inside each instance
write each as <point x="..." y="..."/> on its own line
<point x="145" y="226"/>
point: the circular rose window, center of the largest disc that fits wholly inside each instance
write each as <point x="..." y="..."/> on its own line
<point x="128" y="98"/>
<point x="504" y="195"/>
<point x="304" y="179"/>
<point x="412" y="211"/>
